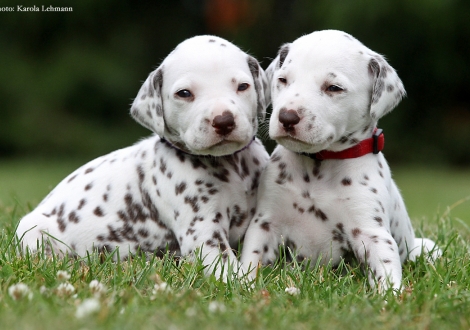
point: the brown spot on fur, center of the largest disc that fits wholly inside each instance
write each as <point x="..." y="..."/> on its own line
<point x="265" y="226"/>
<point x="73" y="217"/>
<point x="81" y="203"/>
<point x="192" y="201"/>
<point x="321" y="215"/>
<point x="346" y="181"/>
<point x="306" y="177"/>
<point x="179" y="189"/>
<point x="72" y="177"/>
<point x="356" y="232"/>
<point x="379" y="220"/>
<point x="98" y="212"/>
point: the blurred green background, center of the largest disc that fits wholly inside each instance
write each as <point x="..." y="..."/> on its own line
<point x="67" y="78"/>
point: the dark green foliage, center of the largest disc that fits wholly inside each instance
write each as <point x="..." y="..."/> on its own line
<point x="67" y="79"/>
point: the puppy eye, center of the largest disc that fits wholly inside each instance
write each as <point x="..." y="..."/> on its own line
<point x="184" y="93"/>
<point x="243" y="87"/>
<point x="282" y="80"/>
<point x="334" y="88"/>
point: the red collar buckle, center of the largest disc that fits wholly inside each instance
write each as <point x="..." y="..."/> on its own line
<point x="374" y="144"/>
<point x="378" y="141"/>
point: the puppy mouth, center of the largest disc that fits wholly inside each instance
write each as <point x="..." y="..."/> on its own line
<point x="225" y="146"/>
<point x="223" y="143"/>
<point x="222" y="148"/>
<point x="290" y="137"/>
<point x="294" y="144"/>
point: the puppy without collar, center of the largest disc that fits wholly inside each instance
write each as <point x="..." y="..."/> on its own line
<point x="192" y="186"/>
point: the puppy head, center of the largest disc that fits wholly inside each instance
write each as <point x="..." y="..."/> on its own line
<point x="205" y="98"/>
<point x="328" y="90"/>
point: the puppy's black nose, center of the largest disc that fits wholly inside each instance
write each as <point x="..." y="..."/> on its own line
<point x="289" y="119"/>
<point x="224" y="123"/>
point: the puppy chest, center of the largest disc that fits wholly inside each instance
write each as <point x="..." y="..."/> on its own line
<point x="203" y="184"/>
<point x="313" y="241"/>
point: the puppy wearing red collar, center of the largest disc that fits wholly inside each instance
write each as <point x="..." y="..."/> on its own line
<point x="327" y="191"/>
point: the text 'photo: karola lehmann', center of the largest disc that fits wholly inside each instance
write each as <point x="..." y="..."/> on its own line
<point x="41" y="8"/>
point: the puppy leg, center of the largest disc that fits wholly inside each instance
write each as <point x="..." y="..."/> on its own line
<point x="402" y="230"/>
<point x="378" y="251"/>
<point x="260" y="246"/>
<point x="426" y="247"/>
<point x="212" y="245"/>
<point x="36" y="232"/>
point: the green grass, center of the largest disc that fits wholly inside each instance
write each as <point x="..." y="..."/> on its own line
<point x="29" y="181"/>
<point x="431" y="191"/>
<point x="435" y="296"/>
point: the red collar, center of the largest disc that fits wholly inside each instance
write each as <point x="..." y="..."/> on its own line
<point x="374" y="145"/>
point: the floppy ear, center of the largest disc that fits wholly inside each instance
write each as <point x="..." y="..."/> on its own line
<point x="270" y="71"/>
<point x="387" y="88"/>
<point x="261" y="87"/>
<point x="147" y="108"/>
<point x="276" y="64"/>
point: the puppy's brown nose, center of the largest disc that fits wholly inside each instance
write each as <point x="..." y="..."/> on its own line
<point x="289" y="119"/>
<point x="224" y="123"/>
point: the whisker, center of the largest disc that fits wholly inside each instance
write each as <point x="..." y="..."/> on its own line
<point x="263" y="130"/>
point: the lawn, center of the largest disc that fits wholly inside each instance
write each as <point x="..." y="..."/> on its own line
<point x="429" y="192"/>
<point x="150" y="293"/>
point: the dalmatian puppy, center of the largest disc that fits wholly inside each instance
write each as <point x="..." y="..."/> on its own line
<point x="192" y="187"/>
<point x="327" y="191"/>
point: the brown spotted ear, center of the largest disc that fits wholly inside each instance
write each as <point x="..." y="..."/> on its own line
<point x="387" y="88"/>
<point x="261" y="87"/>
<point x="271" y="69"/>
<point x="283" y="52"/>
<point x="147" y="108"/>
<point x="276" y="64"/>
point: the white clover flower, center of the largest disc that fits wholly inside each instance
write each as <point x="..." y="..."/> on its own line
<point x="215" y="306"/>
<point x="19" y="291"/>
<point x="43" y="290"/>
<point x="87" y="307"/>
<point x="65" y="289"/>
<point x="191" y="312"/>
<point x="293" y="291"/>
<point x="160" y="287"/>
<point x="63" y="275"/>
<point x="97" y="288"/>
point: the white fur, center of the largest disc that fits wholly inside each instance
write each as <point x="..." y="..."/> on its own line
<point x="158" y="195"/>
<point x="324" y="209"/>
